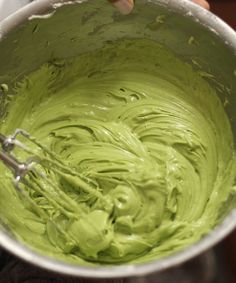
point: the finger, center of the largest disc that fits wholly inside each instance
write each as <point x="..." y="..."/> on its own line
<point x="202" y="3"/>
<point x="124" y="6"/>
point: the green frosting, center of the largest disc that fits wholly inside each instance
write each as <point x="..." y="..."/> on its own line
<point x="149" y="152"/>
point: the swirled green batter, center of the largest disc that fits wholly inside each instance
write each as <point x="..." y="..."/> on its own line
<point x="148" y="131"/>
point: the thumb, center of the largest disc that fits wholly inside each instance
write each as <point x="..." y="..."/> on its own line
<point x="124" y="6"/>
<point x="203" y="3"/>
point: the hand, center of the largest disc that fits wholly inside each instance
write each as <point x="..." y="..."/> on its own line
<point x="126" y="6"/>
<point x="203" y="3"/>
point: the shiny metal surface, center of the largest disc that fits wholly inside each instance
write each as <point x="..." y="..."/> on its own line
<point x="28" y="41"/>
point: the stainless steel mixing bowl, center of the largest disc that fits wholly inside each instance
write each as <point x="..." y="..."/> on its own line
<point x="194" y="34"/>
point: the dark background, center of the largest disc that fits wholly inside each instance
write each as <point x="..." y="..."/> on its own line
<point x="226" y="9"/>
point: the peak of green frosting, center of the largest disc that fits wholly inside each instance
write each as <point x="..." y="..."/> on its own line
<point x="148" y="131"/>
